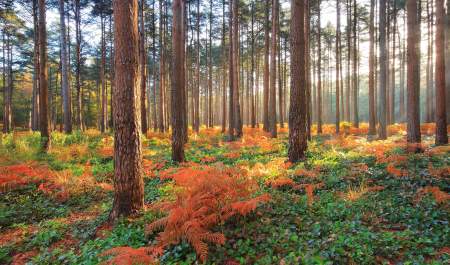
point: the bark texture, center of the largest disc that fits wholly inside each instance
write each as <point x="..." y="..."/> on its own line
<point x="128" y="182"/>
<point x="43" y="79"/>
<point x="298" y="100"/>
<point x="178" y="81"/>
<point x="413" y="74"/>
<point x="441" y="114"/>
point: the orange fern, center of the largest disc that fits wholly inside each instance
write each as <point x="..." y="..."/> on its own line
<point x="206" y="196"/>
<point x="130" y="256"/>
<point x="438" y="195"/>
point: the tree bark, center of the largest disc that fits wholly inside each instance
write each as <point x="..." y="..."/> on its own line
<point x="66" y="94"/>
<point x="178" y="81"/>
<point x="447" y="60"/>
<point x="382" y="131"/>
<point x="162" y="98"/>
<point x="224" y="72"/>
<point x="43" y="79"/>
<point x="236" y="78"/>
<point x="79" y="110"/>
<point x="413" y="75"/>
<point x="252" y="71"/>
<point x="143" y="68"/>
<point x="104" y="102"/>
<point x="128" y="181"/>
<point x="441" y="114"/>
<point x="372" y="129"/>
<point x="355" y="67"/>
<point x="319" y="72"/>
<point x="35" y="97"/>
<point x="338" y="35"/>
<point x="266" y="77"/>
<point x="273" y="72"/>
<point x="308" y="69"/>
<point x="297" y="111"/>
<point x="196" y="121"/>
<point x="231" y="109"/>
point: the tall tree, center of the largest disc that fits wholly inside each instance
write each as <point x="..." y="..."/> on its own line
<point x="79" y="107"/>
<point x="252" y="71"/>
<point x="382" y="115"/>
<point x="355" y="66"/>
<point x="273" y="71"/>
<point x="308" y="68"/>
<point x="128" y="181"/>
<point x="338" y="36"/>
<point x="66" y="93"/>
<point x="447" y="60"/>
<point x="43" y="78"/>
<point x="319" y="71"/>
<point x="143" y="67"/>
<point x="224" y="72"/>
<point x="372" y="129"/>
<point x="210" y="70"/>
<point x="236" y="62"/>
<point x="266" y="77"/>
<point x="196" y="121"/>
<point x="178" y="81"/>
<point x="413" y="74"/>
<point x="441" y="115"/>
<point x="162" y="66"/>
<point x="297" y="112"/>
<point x="35" y="96"/>
<point x="429" y="67"/>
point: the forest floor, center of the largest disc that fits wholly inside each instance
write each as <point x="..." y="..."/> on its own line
<point x="353" y="201"/>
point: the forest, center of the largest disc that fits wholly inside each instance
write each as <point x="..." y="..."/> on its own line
<point x="224" y="132"/>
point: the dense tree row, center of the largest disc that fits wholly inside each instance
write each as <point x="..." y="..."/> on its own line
<point x="180" y="64"/>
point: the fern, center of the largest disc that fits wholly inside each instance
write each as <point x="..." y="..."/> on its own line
<point x="206" y="196"/>
<point x="130" y="256"/>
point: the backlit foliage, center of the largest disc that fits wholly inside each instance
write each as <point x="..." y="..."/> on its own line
<point x="130" y="256"/>
<point x="206" y="196"/>
<point x="438" y="195"/>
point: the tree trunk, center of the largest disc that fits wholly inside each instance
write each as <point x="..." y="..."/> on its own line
<point x="236" y="60"/>
<point x="413" y="75"/>
<point x="372" y="129"/>
<point x="210" y="91"/>
<point x="392" y="86"/>
<point x="297" y="111"/>
<point x="355" y="66"/>
<point x="280" y="78"/>
<point x="35" y="97"/>
<point x="382" y="115"/>
<point x="308" y="69"/>
<point x="161" y="110"/>
<point x="43" y="79"/>
<point x="266" y="70"/>
<point x="319" y="72"/>
<point x="429" y="72"/>
<point x="104" y="106"/>
<point x="79" y="110"/>
<point x="441" y="114"/>
<point x="338" y="32"/>
<point x="231" y="115"/>
<point x="155" y="72"/>
<point x="252" y="70"/>
<point x="349" y="58"/>
<point x="178" y="81"/>
<point x="128" y="181"/>
<point x="224" y="72"/>
<point x="143" y="68"/>
<point x="402" y="75"/>
<point x="447" y="61"/>
<point x="273" y="71"/>
<point x="196" y="121"/>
